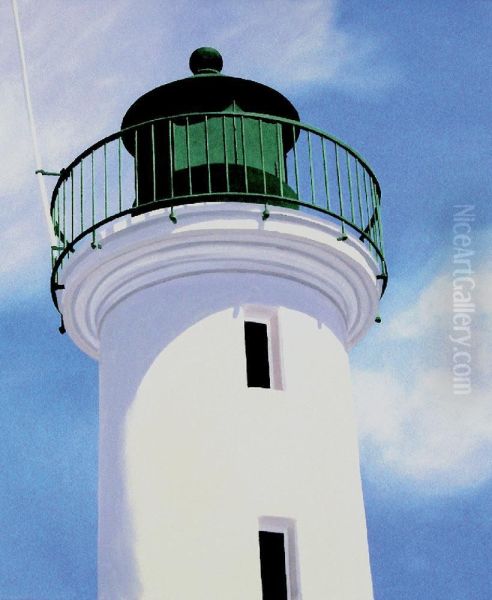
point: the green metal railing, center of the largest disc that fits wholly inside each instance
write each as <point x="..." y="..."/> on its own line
<point x="215" y="157"/>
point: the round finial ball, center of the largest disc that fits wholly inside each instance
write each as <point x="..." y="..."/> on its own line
<point x="206" y="60"/>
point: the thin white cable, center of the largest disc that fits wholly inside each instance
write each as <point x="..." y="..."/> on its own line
<point x="37" y="155"/>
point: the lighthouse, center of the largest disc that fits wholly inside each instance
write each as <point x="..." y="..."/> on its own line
<point x="219" y="258"/>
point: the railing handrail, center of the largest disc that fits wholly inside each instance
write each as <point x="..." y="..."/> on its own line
<point x="333" y="178"/>
<point x="65" y="172"/>
<point x="193" y="199"/>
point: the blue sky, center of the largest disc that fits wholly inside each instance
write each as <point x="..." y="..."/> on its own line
<point x="406" y="84"/>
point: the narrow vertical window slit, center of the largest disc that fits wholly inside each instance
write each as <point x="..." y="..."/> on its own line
<point x="257" y="354"/>
<point x="273" y="571"/>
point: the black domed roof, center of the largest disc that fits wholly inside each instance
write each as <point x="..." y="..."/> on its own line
<point x="208" y="91"/>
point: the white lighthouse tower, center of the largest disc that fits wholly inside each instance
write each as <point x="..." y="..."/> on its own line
<point x="219" y="258"/>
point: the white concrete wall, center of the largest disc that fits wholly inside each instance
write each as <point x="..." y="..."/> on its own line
<point x="191" y="458"/>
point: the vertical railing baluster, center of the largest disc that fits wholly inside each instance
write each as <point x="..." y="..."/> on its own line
<point x="54" y="248"/>
<point x="53" y="212"/>
<point x="325" y="173"/>
<point x="53" y="219"/>
<point x="380" y="227"/>
<point x="188" y="157"/>
<point x="64" y="213"/>
<point x="171" y="157"/>
<point x="243" y="145"/>
<point x="154" y="185"/>
<point x="361" y="222"/>
<point x="81" y="196"/>
<point x="72" y="205"/>
<point x="376" y="216"/>
<point x="340" y="192"/>
<point x="262" y="153"/>
<point x="280" y="149"/>
<point x="119" y="174"/>
<point x="172" y="218"/>
<point x="135" y="167"/>
<point x="58" y="219"/>
<point x="226" y="158"/>
<point x="207" y="156"/>
<point x="369" y="233"/>
<point x="93" y="202"/>
<point x="105" y="152"/>
<point x="296" y="164"/>
<point x="53" y="215"/>
<point x="349" y="177"/>
<point x="370" y="220"/>
<point x="311" y="169"/>
<point x="234" y="131"/>
<point x="375" y="212"/>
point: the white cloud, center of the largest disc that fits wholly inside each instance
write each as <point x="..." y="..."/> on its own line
<point x="62" y="51"/>
<point x="287" y="42"/>
<point x="433" y="309"/>
<point x="425" y="434"/>
<point x="410" y="422"/>
<point x="13" y="138"/>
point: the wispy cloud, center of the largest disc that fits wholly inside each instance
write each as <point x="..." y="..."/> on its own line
<point x="63" y="52"/>
<point x="287" y="43"/>
<point x="88" y="61"/>
<point x="411" y="424"/>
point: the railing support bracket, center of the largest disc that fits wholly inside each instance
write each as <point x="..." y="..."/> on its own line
<point x="43" y="172"/>
<point x="62" y="329"/>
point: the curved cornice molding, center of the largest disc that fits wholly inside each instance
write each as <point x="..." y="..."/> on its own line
<point x="138" y="252"/>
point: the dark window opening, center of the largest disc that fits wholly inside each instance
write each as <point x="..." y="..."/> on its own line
<point x="257" y="363"/>
<point x="272" y="558"/>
